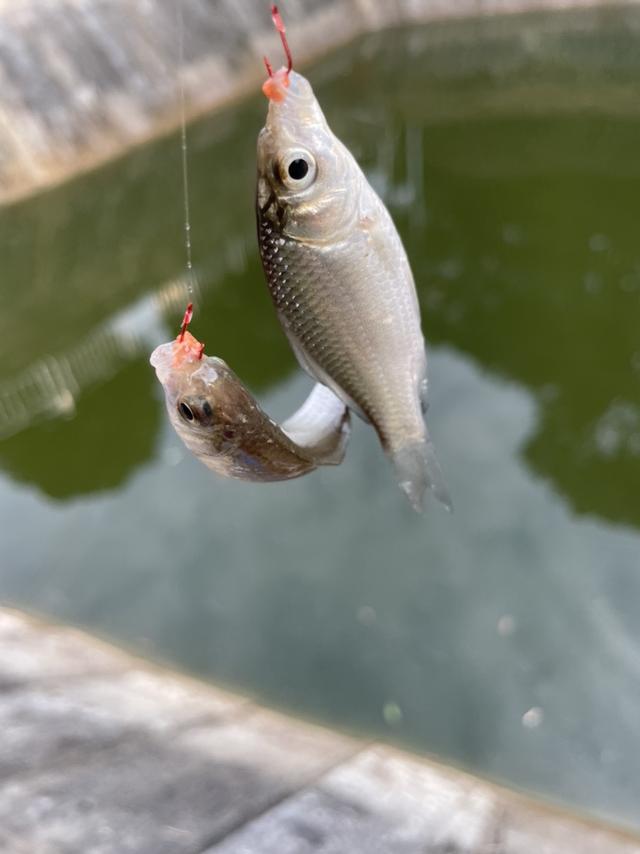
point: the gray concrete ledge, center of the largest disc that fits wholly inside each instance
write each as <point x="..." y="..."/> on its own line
<point x="102" y="753"/>
<point x="81" y="81"/>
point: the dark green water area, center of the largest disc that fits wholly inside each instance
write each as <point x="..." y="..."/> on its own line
<point x="504" y="638"/>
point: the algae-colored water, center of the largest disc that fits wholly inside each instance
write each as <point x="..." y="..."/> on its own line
<point x="505" y="637"/>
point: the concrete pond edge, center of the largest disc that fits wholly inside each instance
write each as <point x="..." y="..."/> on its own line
<point x="101" y="745"/>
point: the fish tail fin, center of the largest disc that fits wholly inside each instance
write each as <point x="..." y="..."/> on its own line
<point x="417" y="469"/>
<point x="321" y="426"/>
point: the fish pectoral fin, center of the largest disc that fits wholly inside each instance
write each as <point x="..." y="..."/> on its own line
<point x="321" y="426"/>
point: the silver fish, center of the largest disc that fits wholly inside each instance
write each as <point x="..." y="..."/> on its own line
<point x="221" y="423"/>
<point x="340" y="279"/>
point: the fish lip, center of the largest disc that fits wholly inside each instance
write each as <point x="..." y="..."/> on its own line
<point x="161" y="360"/>
<point x="299" y="97"/>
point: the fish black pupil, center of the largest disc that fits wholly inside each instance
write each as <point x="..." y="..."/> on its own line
<point x="186" y="412"/>
<point x="298" y="169"/>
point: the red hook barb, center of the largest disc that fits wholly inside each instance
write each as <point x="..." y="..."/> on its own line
<point x="186" y="348"/>
<point x="186" y="320"/>
<point x="279" y="25"/>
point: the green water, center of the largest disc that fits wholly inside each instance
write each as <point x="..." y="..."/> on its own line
<point x="503" y="638"/>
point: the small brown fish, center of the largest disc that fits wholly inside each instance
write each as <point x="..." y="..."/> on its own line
<point x="221" y="423"/>
<point x="340" y="279"/>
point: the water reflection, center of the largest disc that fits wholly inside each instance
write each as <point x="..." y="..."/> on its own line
<point x="51" y="386"/>
<point x="95" y="450"/>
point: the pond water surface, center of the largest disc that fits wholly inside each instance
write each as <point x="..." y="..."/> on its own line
<point x="504" y="638"/>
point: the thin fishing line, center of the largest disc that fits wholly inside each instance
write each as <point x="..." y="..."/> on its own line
<point x="184" y="149"/>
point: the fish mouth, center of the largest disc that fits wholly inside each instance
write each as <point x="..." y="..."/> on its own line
<point x="276" y="85"/>
<point x="162" y="360"/>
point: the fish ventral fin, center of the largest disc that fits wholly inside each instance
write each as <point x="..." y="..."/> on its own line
<point x="417" y="469"/>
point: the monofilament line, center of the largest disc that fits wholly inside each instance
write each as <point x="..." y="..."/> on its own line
<point x="184" y="149"/>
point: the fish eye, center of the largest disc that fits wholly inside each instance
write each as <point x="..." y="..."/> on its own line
<point x="298" y="169"/>
<point x="185" y="410"/>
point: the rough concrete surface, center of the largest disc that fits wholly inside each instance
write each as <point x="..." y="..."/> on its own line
<point x="102" y="753"/>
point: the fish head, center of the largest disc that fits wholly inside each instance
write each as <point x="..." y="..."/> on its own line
<point x="307" y="179"/>
<point x="205" y="400"/>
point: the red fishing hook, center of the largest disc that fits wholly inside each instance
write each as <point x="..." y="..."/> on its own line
<point x="279" y="25"/>
<point x="186" y="320"/>
<point x="189" y="345"/>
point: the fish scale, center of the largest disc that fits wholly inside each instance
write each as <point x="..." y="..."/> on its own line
<point x="311" y="314"/>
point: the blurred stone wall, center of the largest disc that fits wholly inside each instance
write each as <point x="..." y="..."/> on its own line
<point x="83" y="80"/>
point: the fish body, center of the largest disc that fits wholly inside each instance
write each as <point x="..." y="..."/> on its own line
<point x="221" y="423"/>
<point x="340" y="280"/>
